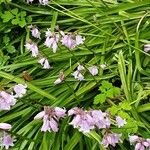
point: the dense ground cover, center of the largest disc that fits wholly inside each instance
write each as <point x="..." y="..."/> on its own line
<point x="92" y="58"/>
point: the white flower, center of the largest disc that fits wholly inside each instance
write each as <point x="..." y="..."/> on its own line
<point x="29" y="1"/>
<point x="35" y="32"/>
<point x="33" y="48"/>
<point x="44" y="62"/>
<point x="6" y="100"/>
<point x="7" y="141"/>
<point x="57" y="81"/>
<point x="5" y="126"/>
<point x="52" y="42"/>
<point x="43" y="2"/>
<point x="48" y="33"/>
<point x="50" y="116"/>
<point x="93" y="70"/>
<point x="120" y="122"/>
<point x="20" y="90"/>
<point x="79" y="40"/>
<point x="78" y="75"/>
<point x="103" y="66"/>
<point x="147" y="47"/>
<point x="80" y="67"/>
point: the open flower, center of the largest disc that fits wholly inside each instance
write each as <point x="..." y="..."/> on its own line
<point x="51" y="40"/>
<point x="140" y="143"/>
<point x="6" y="141"/>
<point x="80" y="67"/>
<point x="60" y="79"/>
<point x="120" y="122"/>
<point x="20" y="90"/>
<point x="50" y="118"/>
<point x="5" y="126"/>
<point x="33" y="48"/>
<point x="79" y="39"/>
<point x="29" y="1"/>
<point x="78" y="75"/>
<point x="43" y="2"/>
<point x="68" y="41"/>
<point x="93" y="70"/>
<point x="35" y="32"/>
<point x="82" y="120"/>
<point x="111" y="139"/>
<point x="44" y="62"/>
<point x="147" y="47"/>
<point x="101" y="119"/>
<point x="6" y="100"/>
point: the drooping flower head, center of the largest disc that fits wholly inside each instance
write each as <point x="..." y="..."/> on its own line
<point x="20" y="90"/>
<point x="80" y="67"/>
<point x="68" y="41"/>
<point x="82" y="120"/>
<point x="140" y="143"/>
<point x="51" y="40"/>
<point x="35" y="32"/>
<point x="43" y="2"/>
<point x="120" y="122"/>
<point x="79" y="39"/>
<point x="77" y="75"/>
<point x="29" y="1"/>
<point x="60" y="79"/>
<point x="44" y="62"/>
<point x="5" y="126"/>
<point x="147" y="47"/>
<point x="50" y="117"/>
<point x="6" y="141"/>
<point x="33" y="48"/>
<point x="103" y="66"/>
<point x="93" y="70"/>
<point x="111" y="139"/>
<point x="101" y="119"/>
<point x="6" y="100"/>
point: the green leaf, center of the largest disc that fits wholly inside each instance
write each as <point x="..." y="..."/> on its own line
<point x="125" y="105"/>
<point x="110" y="93"/>
<point x="23" y="14"/>
<point x="107" y="84"/>
<point x="15" y="21"/>
<point x="123" y="114"/>
<point x="22" y="23"/>
<point x="14" y="11"/>
<point x="116" y="91"/>
<point x="6" y="39"/>
<point x="114" y="109"/>
<point x="11" y="49"/>
<point x="100" y="99"/>
<point x="29" y="19"/>
<point x="7" y="16"/>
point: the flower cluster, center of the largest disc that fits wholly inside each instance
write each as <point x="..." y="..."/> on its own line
<point x="92" y="69"/>
<point x="84" y="121"/>
<point x="9" y="99"/>
<point x="87" y="120"/>
<point x="6" y="101"/>
<point x="70" y="40"/>
<point x="140" y="143"/>
<point x="77" y="74"/>
<point x="50" y="117"/>
<point x="5" y="140"/>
